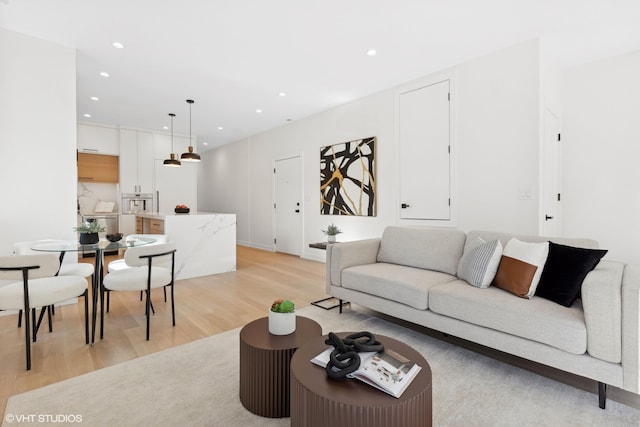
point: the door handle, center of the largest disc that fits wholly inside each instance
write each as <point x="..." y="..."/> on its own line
<point x="405" y="205"/>
<point x="547" y="217"/>
<point x="297" y="210"/>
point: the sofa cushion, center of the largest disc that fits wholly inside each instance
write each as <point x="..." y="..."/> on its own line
<point x="479" y="263"/>
<point x="521" y="267"/>
<point x="427" y="248"/>
<point x="564" y="272"/>
<point x="406" y="285"/>
<point x="537" y="319"/>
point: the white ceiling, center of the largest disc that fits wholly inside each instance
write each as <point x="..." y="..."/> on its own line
<point x="233" y="57"/>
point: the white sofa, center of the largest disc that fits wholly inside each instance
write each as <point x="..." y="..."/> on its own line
<point x="410" y="274"/>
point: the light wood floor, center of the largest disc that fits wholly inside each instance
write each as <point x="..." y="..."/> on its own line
<point x="205" y="306"/>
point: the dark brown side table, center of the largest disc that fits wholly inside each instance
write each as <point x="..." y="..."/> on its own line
<point x="318" y="401"/>
<point x="264" y="365"/>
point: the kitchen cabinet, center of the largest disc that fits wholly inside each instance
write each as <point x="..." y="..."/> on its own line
<point x="156" y="226"/>
<point x="136" y="161"/>
<point x="97" y="168"/>
<point x="97" y="139"/>
<point x="139" y="225"/>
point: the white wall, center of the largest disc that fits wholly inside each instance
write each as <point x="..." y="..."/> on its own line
<point x="37" y="140"/>
<point x="601" y="154"/>
<point x="223" y="183"/>
<point x="498" y="136"/>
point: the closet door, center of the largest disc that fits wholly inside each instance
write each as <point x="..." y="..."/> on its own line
<point x="424" y="140"/>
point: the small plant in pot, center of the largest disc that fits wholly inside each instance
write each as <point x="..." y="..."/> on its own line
<point x="332" y="231"/>
<point x="89" y="232"/>
<point x="282" y="317"/>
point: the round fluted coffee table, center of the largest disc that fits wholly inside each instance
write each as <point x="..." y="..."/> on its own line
<point x="264" y="365"/>
<point x="318" y="401"/>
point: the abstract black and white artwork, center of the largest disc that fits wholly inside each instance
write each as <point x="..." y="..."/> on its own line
<point x="348" y="178"/>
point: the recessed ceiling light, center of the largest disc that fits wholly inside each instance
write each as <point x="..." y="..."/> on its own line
<point x="95" y="98"/>
<point x="117" y="45"/>
<point x="371" y="52"/>
<point x="87" y="115"/>
<point x="104" y="74"/>
<point x="282" y="94"/>
<point x="165" y="127"/>
<point x="220" y="128"/>
<point x="205" y="143"/>
<point x="258" y="111"/>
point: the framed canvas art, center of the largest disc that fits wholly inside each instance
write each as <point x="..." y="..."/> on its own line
<point x="348" y="178"/>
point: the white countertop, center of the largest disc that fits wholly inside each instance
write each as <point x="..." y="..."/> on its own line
<point x="163" y="215"/>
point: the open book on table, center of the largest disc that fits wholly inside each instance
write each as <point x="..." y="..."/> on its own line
<point x="387" y="370"/>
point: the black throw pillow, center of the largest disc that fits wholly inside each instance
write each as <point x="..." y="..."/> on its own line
<point x="564" y="272"/>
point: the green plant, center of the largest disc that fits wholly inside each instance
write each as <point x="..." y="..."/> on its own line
<point x="90" y="227"/>
<point x="332" y="230"/>
<point x="282" y="306"/>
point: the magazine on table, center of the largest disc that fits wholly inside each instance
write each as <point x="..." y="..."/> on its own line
<point x="387" y="370"/>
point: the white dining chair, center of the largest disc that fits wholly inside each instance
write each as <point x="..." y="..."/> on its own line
<point x="37" y="285"/>
<point x="82" y="269"/>
<point x="147" y="270"/>
<point x="121" y="264"/>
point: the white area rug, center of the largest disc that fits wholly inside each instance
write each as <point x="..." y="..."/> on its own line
<point x="196" y="384"/>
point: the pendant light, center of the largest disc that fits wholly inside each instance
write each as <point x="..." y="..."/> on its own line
<point x="190" y="156"/>
<point x="172" y="161"/>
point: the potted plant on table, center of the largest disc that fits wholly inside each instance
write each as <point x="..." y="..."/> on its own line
<point x="332" y="231"/>
<point x="282" y="317"/>
<point x="89" y="232"/>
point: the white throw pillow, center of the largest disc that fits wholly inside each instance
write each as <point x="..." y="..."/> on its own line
<point x="479" y="263"/>
<point x="522" y="256"/>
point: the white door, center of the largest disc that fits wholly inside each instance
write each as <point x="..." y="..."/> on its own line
<point x="551" y="195"/>
<point x="287" y="206"/>
<point x="424" y="128"/>
<point x="176" y="186"/>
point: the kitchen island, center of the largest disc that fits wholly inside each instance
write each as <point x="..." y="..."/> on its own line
<point x="205" y="241"/>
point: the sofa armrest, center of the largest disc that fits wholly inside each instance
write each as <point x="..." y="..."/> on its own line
<point x="631" y="327"/>
<point x="348" y="254"/>
<point x="602" y="305"/>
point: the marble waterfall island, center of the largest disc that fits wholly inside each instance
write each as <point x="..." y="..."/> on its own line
<point x="205" y="242"/>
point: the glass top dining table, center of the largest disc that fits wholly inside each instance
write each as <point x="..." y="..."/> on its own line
<point x="99" y="248"/>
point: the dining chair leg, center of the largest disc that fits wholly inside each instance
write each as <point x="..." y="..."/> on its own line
<point x="102" y="292"/>
<point x="33" y="324"/>
<point x="20" y="319"/>
<point x="148" y="310"/>
<point x="49" y="314"/>
<point x="27" y="337"/>
<point x="173" y="308"/>
<point x="86" y="316"/>
<point x="36" y="325"/>
<point x="165" y="293"/>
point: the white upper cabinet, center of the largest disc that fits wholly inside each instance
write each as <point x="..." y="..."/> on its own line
<point x="97" y="139"/>
<point x="136" y="161"/>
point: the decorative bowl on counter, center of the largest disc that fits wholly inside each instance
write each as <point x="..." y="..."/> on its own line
<point x="181" y="210"/>
<point x="114" y="237"/>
